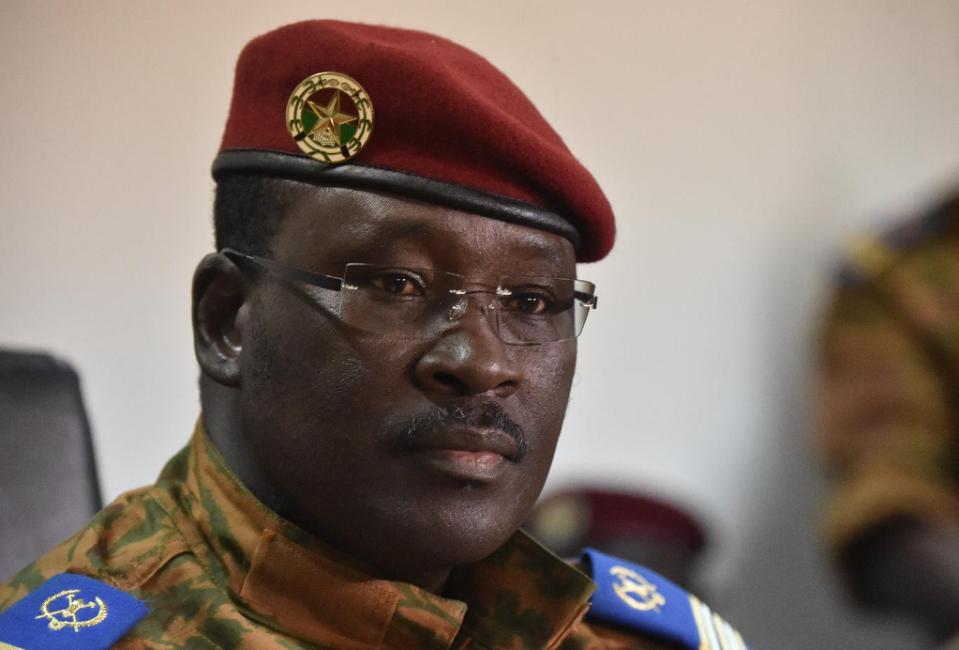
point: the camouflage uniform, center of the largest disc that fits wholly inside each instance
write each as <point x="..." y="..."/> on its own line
<point x="217" y="569"/>
<point x="888" y="381"/>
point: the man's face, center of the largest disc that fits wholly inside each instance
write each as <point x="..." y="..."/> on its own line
<point x="409" y="454"/>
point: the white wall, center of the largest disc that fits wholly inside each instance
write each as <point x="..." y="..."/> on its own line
<point x="739" y="142"/>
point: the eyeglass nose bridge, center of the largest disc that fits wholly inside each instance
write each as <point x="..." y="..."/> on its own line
<point x="461" y="305"/>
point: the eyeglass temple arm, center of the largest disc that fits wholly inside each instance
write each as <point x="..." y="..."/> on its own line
<point x="587" y="300"/>
<point x="288" y="272"/>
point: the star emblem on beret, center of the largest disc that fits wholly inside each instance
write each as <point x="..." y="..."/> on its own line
<point x="327" y="127"/>
<point x="330" y="117"/>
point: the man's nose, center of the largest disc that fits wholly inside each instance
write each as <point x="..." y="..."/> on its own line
<point x="469" y="358"/>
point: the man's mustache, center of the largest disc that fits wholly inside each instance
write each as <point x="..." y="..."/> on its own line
<point x="485" y="414"/>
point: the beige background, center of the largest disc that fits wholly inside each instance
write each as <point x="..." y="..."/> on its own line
<point x="740" y="143"/>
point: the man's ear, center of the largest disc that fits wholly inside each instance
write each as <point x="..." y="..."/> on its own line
<point x="219" y="292"/>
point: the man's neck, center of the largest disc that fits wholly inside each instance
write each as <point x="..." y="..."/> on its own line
<point x="223" y="422"/>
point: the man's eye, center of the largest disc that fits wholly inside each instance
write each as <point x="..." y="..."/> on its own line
<point x="397" y="284"/>
<point x="528" y="303"/>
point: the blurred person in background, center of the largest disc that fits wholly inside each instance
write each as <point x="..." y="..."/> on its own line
<point x="887" y="406"/>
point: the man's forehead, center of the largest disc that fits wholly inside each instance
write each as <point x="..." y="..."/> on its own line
<point x="338" y="223"/>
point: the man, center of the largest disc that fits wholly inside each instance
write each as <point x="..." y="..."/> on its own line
<point x="387" y="341"/>
<point x="887" y="410"/>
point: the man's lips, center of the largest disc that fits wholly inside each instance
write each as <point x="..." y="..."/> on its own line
<point x="471" y="441"/>
<point x="478" y="441"/>
<point x="472" y="455"/>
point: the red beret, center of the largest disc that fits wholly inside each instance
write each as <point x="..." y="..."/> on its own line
<point x="419" y="116"/>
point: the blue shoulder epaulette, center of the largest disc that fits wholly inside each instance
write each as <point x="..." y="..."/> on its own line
<point x="69" y="612"/>
<point x="633" y="597"/>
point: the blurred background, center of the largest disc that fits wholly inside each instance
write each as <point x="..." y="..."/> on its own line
<point x="740" y="142"/>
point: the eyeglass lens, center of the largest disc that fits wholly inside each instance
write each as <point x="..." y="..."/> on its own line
<point x="417" y="303"/>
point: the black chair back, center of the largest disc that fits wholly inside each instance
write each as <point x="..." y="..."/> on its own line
<point x="48" y="478"/>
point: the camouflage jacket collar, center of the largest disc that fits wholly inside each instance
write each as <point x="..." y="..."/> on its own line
<point x="285" y="578"/>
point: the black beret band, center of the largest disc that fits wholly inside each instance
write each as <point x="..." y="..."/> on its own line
<point x="296" y="167"/>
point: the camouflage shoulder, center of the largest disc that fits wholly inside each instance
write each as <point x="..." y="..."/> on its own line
<point x="869" y="256"/>
<point x="122" y="546"/>
<point x="633" y="600"/>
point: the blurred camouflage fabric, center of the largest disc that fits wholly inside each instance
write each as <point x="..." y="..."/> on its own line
<point x="219" y="570"/>
<point x="888" y="380"/>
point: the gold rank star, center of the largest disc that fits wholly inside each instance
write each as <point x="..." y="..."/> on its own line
<point x="330" y="120"/>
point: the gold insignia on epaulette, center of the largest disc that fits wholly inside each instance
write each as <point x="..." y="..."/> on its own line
<point x="330" y="117"/>
<point x="635" y="590"/>
<point x="72" y="612"/>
